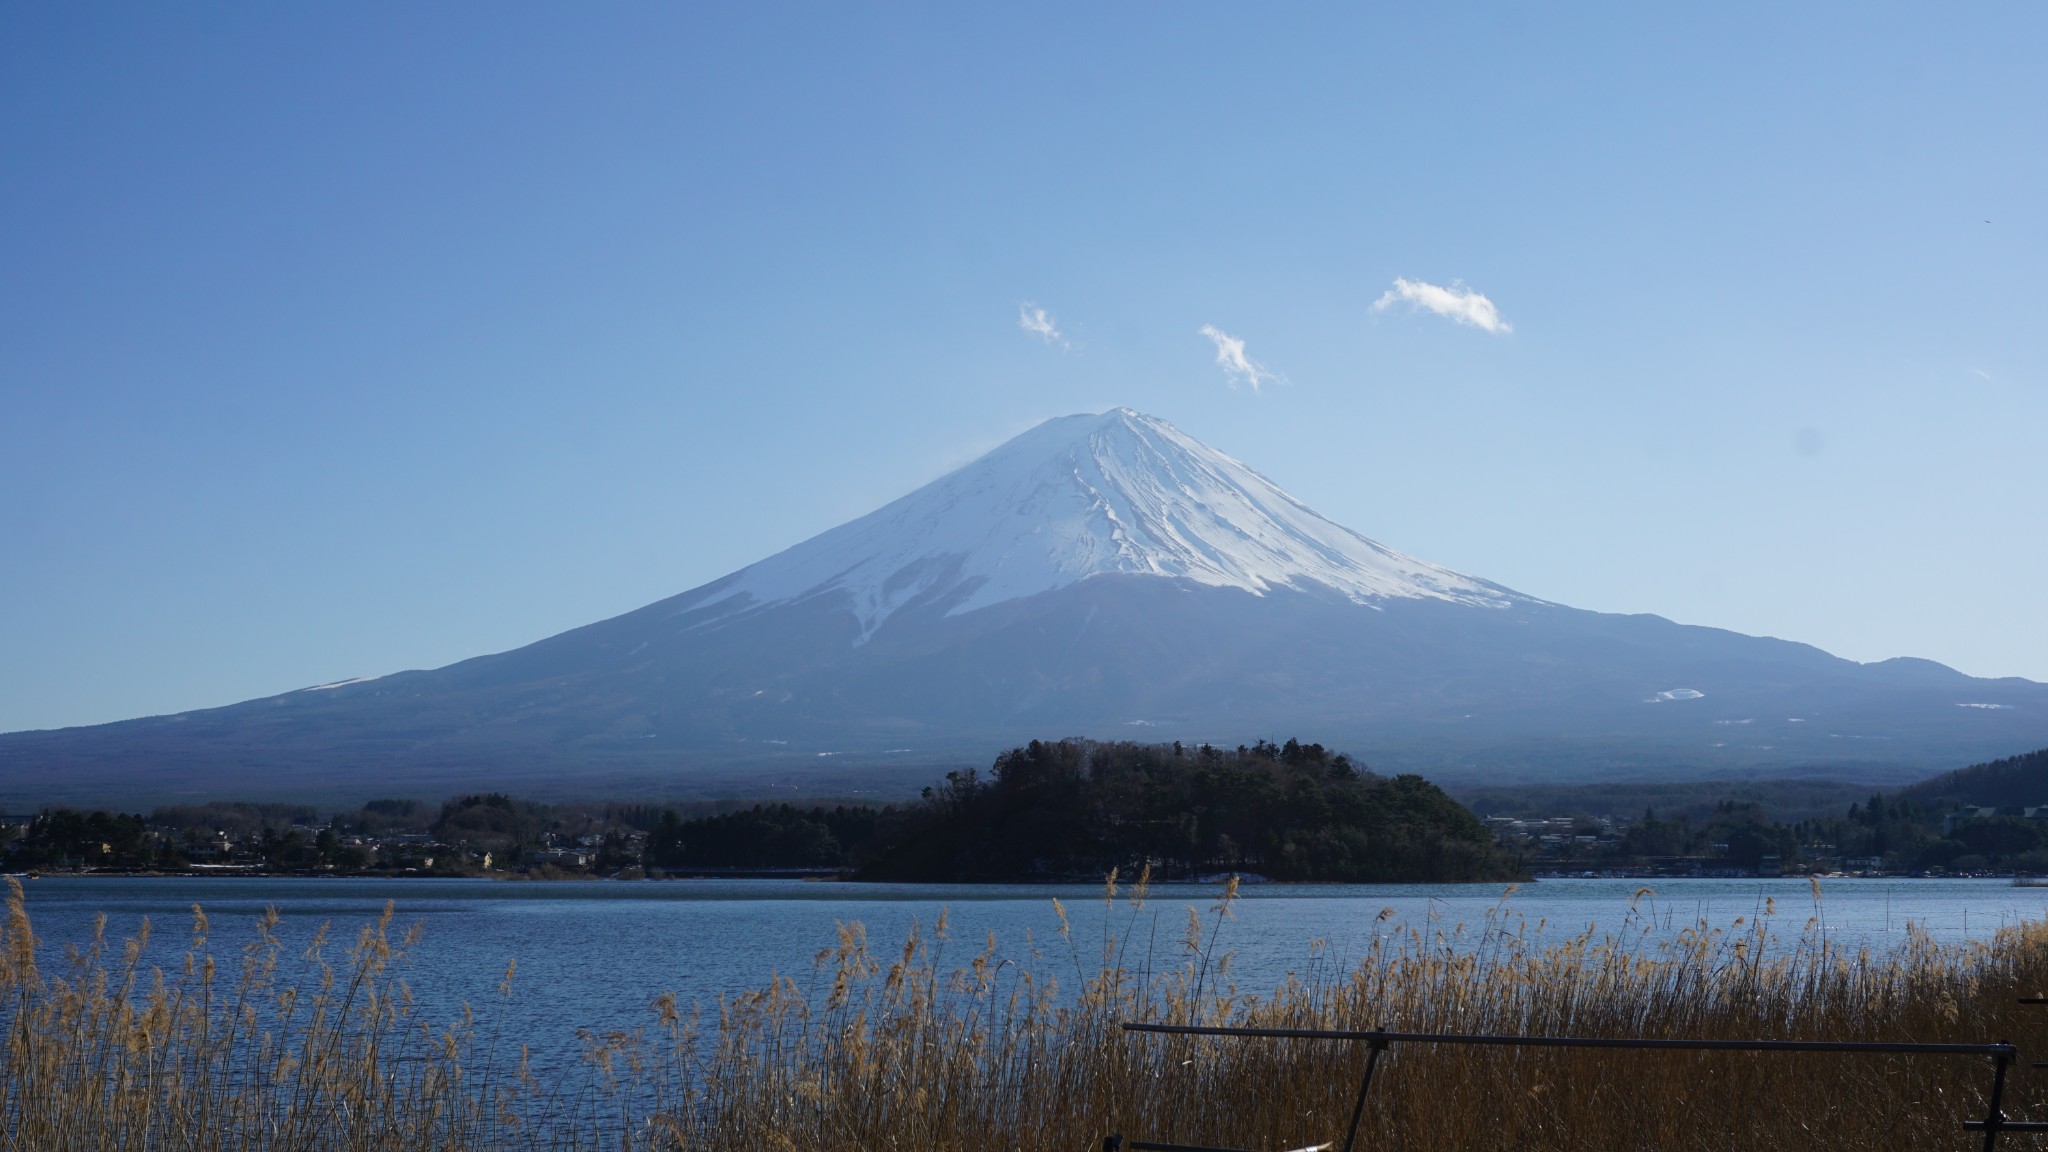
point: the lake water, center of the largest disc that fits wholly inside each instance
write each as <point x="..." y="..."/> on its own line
<point x="594" y="954"/>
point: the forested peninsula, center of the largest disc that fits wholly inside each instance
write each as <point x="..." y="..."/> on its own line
<point x="1078" y="808"/>
<point x="1050" y="810"/>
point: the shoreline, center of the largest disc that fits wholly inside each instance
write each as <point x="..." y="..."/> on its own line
<point x="815" y="877"/>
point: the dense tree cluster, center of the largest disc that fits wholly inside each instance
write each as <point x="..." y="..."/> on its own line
<point x="1060" y="809"/>
<point x="1740" y="834"/>
<point x="1291" y="811"/>
<point x="493" y="821"/>
<point x="764" y="836"/>
<point x="1914" y="834"/>
<point x="1077" y="808"/>
<point x="235" y="817"/>
<point x="1896" y="834"/>
<point x="2013" y="782"/>
<point x="92" y="839"/>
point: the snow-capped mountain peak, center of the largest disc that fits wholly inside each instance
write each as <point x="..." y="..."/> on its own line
<point x="1082" y="496"/>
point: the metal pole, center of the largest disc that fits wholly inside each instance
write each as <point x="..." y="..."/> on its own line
<point x="1994" y="1122"/>
<point x="1864" y="1046"/>
<point x="1994" y="1117"/>
<point x="1379" y="1045"/>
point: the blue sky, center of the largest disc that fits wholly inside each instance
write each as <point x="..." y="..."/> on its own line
<point x="336" y="340"/>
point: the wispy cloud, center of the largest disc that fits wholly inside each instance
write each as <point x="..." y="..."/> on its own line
<point x="1230" y="356"/>
<point x="1457" y="303"/>
<point x="1039" y="322"/>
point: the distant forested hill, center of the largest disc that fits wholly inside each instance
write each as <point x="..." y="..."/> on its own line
<point x="2011" y="782"/>
<point x="1289" y="812"/>
<point x="1784" y="801"/>
<point x="1073" y="809"/>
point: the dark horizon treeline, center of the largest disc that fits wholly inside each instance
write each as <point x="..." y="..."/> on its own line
<point x="1289" y="812"/>
<point x="1888" y="834"/>
<point x="1069" y="808"/>
<point x="1989" y="817"/>
<point x="1078" y="808"/>
<point x="410" y="836"/>
<point x="767" y="836"/>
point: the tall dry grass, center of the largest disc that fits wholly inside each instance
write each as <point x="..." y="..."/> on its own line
<point x="945" y="1044"/>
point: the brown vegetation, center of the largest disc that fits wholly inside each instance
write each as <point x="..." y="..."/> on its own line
<point x="923" y="1049"/>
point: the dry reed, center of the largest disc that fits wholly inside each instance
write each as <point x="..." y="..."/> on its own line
<point x="913" y="1050"/>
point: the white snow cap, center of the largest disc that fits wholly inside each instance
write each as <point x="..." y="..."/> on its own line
<point x="1092" y="495"/>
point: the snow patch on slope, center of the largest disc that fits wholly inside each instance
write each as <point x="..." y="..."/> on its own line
<point x="1083" y="496"/>
<point x="1676" y="694"/>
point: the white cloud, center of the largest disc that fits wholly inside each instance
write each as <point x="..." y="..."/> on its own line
<point x="1038" y="322"/>
<point x="1457" y="303"/>
<point x="1235" y="364"/>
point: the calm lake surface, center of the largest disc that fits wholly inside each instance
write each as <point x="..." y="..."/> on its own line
<point x="593" y="954"/>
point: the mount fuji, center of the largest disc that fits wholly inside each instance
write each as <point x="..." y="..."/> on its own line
<point x="1120" y="494"/>
<point x="1100" y="575"/>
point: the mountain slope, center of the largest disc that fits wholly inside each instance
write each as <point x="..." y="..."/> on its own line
<point x="1100" y="576"/>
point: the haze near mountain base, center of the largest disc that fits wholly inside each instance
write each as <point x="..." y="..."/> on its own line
<point x="1100" y="575"/>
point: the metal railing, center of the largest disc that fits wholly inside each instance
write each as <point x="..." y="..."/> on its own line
<point x="1994" y="1122"/>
